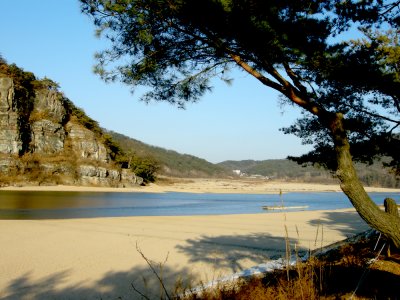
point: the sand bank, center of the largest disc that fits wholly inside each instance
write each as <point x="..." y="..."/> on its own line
<point x="209" y="186"/>
<point x="97" y="258"/>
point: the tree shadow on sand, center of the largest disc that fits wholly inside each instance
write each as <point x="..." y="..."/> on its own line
<point x="114" y="285"/>
<point x="229" y="252"/>
<point x="348" y="222"/>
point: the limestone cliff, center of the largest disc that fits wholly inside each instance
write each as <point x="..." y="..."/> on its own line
<point x="45" y="139"/>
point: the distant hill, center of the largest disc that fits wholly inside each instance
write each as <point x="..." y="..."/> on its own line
<point x="279" y="169"/>
<point x="175" y="164"/>
<point x="374" y="175"/>
<point x="171" y="162"/>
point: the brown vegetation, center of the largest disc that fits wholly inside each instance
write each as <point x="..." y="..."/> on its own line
<point x="356" y="269"/>
<point x="41" y="170"/>
<point x="352" y="271"/>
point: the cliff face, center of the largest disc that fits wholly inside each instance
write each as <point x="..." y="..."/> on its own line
<point x="10" y="142"/>
<point x="48" y="144"/>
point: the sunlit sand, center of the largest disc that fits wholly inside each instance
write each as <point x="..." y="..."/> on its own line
<point x="239" y="186"/>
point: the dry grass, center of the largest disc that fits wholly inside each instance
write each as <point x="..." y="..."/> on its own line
<point x="40" y="170"/>
<point x="46" y="169"/>
<point x="342" y="273"/>
<point x="351" y="271"/>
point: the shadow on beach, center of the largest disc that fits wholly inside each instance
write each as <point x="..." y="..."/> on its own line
<point x="114" y="285"/>
<point x="229" y="251"/>
<point x="222" y="252"/>
<point x="347" y="222"/>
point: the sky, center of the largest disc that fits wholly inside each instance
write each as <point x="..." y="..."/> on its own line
<point x="53" y="39"/>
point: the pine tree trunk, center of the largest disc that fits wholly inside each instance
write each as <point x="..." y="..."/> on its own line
<point x="392" y="209"/>
<point x="387" y="224"/>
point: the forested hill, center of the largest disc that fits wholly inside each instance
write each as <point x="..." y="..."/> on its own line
<point x="175" y="164"/>
<point x="374" y="175"/>
<point x="171" y="163"/>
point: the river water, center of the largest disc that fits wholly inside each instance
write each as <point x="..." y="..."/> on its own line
<point x="65" y="205"/>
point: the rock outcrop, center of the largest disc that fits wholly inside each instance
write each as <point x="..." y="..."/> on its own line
<point x="47" y="137"/>
<point x="47" y="119"/>
<point x="10" y="142"/>
<point x="50" y="145"/>
<point x="85" y="143"/>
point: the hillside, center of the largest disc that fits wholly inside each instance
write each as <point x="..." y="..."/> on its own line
<point x="46" y="139"/>
<point x="283" y="169"/>
<point x="175" y="164"/>
<point x="171" y="163"/>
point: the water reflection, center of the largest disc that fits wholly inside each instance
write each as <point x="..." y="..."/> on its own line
<point x="48" y="200"/>
<point x="28" y="204"/>
<point x="55" y="205"/>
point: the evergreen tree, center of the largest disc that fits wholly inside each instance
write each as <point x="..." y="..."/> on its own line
<point x="348" y="90"/>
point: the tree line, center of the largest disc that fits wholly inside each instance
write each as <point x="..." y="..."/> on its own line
<point x="284" y="169"/>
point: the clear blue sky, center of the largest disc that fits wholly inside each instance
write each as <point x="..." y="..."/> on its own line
<point x="53" y="38"/>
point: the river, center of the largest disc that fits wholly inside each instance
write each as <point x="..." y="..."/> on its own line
<point x="65" y="205"/>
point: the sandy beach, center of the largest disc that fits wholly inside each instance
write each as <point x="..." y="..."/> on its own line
<point x="98" y="258"/>
<point x="201" y="185"/>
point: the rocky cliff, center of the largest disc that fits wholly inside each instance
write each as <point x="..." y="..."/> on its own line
<point x="45" y="139"/>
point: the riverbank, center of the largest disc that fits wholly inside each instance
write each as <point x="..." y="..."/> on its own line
<point x="98" y="258"/>
<point x="198" y="185"/>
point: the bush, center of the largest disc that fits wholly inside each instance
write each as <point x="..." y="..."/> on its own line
<point x="145" y="167"/>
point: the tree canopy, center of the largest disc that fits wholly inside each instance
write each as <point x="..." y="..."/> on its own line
<point x="362" y="83"/>
<point x="289" y="46"/>
<point x="348" y="87"/>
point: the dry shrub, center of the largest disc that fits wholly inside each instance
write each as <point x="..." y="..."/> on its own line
<point x="301" y="284"/>
<point x="40" y="115"/>
<point x="342" y="273"/>
<point x="40" y="169"/>
<point x="273" y="285"/>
